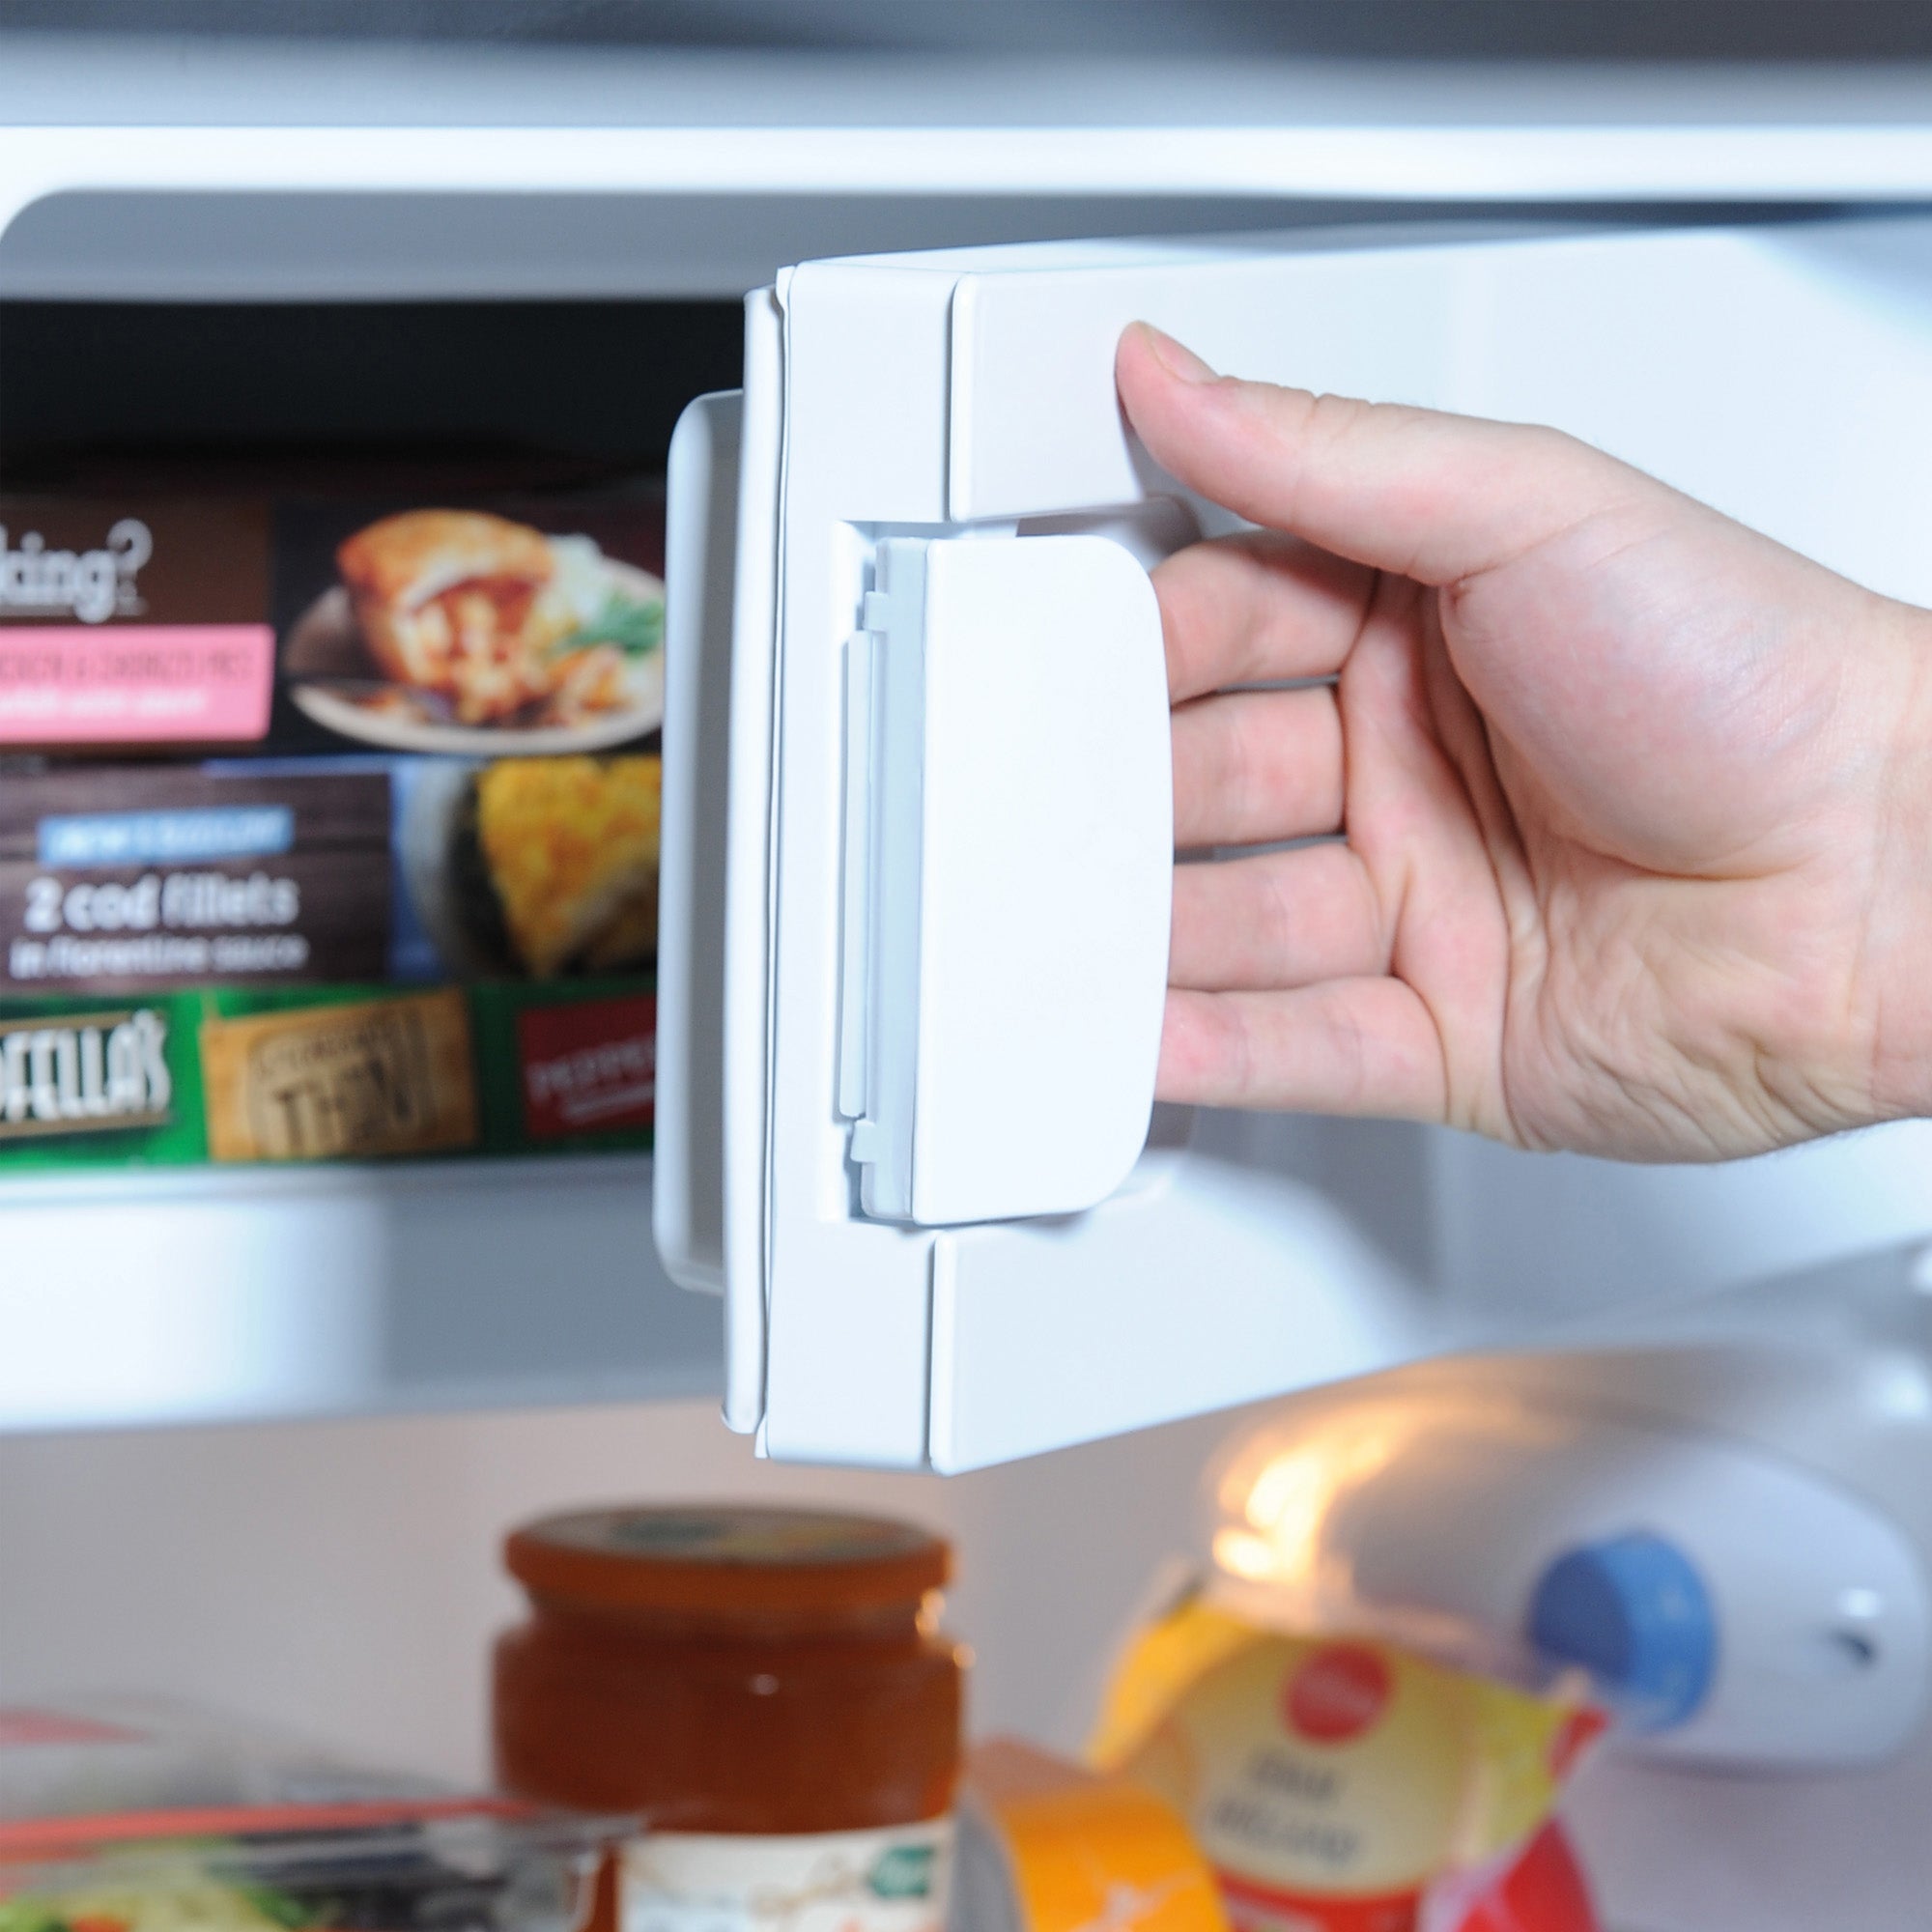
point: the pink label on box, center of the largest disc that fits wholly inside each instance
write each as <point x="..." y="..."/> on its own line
<point x="131" y="684"/>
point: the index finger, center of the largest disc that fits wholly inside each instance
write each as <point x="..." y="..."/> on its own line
<point x="1255" y="607"/>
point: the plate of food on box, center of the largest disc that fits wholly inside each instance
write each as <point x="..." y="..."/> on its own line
<point x="465" y="632"/>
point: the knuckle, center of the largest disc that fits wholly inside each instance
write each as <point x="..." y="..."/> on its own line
<point x="1348" y="1051"/>
<point x="1243" y="766"/>
<point x="1243" y="1054"/>
<point x="1280" y="917"/>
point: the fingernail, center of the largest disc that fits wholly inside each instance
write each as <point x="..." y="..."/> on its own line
<point x="1180" y="361"/>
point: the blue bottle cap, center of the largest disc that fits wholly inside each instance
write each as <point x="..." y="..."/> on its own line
<point x="1633" y="1612"/>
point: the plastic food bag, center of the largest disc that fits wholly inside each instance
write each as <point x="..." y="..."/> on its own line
<point x="143" y="1817"/>
<point x="1346" y="1784"/>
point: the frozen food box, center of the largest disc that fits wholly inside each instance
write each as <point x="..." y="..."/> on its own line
<point x="358" y="1072"/>
<point x="126" y="1816"/>
<point x="419" y="918"/>
<point x="475" y="628"/>
<point x="122" y="878"/>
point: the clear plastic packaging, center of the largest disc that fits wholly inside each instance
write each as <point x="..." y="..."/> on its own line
<point x="1360" y="1734"/>
<point x="122" y="1816"/>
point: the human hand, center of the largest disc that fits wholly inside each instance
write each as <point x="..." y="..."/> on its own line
<point x="1635" y="804"/>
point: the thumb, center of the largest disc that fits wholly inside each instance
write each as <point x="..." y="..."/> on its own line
<point x="1428" y="495"/>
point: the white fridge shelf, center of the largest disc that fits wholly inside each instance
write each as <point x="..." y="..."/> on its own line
<point x="196" y="170"/>
<point x="171" y="1295"/>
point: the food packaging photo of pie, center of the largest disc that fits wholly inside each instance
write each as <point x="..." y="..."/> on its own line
<point x="465" y="631"/>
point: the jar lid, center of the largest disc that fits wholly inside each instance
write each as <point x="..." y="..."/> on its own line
<point x="727" y="1558"/>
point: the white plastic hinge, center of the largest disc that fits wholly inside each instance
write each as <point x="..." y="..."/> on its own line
<point x="882" y="666"/>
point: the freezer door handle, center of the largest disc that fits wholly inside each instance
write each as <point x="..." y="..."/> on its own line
<point x="1007" y="876"/>
<point x="700" y="563"/>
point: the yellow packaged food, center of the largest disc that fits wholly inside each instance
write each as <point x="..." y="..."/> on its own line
<point x="1337" y="1784"/>
<point x="368" y="1077"/>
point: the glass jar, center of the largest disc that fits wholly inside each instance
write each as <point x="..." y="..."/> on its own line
<point x="767" y="1689"/>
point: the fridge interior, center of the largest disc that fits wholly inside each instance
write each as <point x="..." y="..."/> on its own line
<point x="395" y="1292"/>
<point x="308" y="1539"/>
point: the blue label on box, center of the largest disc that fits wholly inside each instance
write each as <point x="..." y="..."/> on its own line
<point x="162" y="837"/>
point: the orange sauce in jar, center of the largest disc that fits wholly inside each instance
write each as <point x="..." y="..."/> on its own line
<point x="767" y="1689"/>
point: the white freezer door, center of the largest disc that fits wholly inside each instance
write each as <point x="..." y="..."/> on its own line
<point x="917" y="823"/>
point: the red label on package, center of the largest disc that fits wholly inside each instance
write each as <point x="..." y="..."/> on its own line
<point x="1338" y="1694"/>
<point x="589" y="1067"/>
